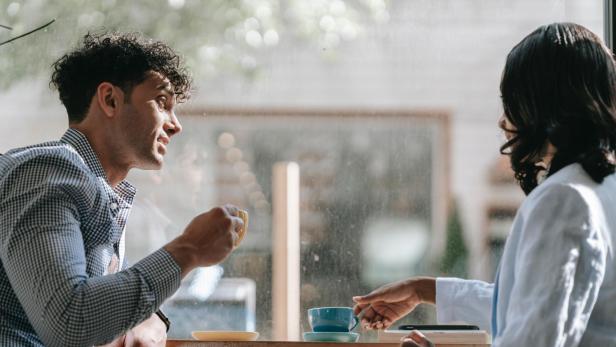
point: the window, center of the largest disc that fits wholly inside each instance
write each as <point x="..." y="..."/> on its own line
<point x="363" y="177"/>
<point x="388" y="107"/>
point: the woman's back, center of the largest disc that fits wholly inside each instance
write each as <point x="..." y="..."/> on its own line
<point x="558" y="269"/>
<point x="601" y="329"/>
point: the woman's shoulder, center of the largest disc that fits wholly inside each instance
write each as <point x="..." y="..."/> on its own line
<point x="571" y="193"/>
<point x="570" y="182"/>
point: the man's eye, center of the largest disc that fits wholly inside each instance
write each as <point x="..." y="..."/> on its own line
<point x="162" y="101"/>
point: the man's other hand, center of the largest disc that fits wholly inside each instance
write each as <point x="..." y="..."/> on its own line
<point x="150" y="333"/>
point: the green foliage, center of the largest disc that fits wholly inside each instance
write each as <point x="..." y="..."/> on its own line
<point x="455" y="259"/>
<point x="215" y="36"/>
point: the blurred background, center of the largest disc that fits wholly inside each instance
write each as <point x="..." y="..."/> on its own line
<point x="390" y="109"/>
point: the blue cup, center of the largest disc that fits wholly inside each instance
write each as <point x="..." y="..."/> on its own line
<point x="332" y="319"/>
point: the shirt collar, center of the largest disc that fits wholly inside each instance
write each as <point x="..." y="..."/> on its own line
<point x="80" y="143"/>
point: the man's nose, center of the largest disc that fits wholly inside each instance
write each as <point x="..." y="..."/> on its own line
<point x="172" y="126"/>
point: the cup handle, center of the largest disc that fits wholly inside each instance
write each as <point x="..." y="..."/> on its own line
<point x="356" y="319"/>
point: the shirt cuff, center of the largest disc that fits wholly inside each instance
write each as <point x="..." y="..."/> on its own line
<point x="162" y="274"/>
<point x="445" y="299"/>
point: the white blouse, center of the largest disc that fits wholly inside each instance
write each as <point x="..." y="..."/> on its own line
<point x="557" y="282"/>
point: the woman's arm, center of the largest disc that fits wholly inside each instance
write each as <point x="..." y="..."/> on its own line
<point x="468" y="301"/>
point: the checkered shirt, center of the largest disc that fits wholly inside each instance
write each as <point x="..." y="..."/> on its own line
<point x="60" y="226"/>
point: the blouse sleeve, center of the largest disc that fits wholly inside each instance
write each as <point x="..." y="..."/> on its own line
<point x="468" y="301"/>
<point x="559" y="269"/>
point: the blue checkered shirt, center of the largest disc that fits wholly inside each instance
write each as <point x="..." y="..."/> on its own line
<point x="61" y="223"/>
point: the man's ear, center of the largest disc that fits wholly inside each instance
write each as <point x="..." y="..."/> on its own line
<point x="109" y="98"/>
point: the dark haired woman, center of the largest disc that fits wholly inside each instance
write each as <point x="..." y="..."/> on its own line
<point x="556" y="284"/>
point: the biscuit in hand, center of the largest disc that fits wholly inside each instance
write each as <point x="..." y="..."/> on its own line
<point x="242" y="232"/>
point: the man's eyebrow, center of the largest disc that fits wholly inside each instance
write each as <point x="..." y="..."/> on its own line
<point x="166" y="87"/>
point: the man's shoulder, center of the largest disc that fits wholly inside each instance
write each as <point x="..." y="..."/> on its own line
<point x="52" y="170"/>
<point x="51" y="153"/>
<point x="49" y="160"/>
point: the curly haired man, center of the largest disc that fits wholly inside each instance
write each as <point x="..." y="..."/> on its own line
<point x="64" y="205"/>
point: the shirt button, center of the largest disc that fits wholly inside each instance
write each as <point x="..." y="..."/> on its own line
<point x="113" y="206"/>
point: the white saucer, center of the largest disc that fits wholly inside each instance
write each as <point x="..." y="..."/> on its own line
<point x="225" y="335"/>
<point x="331" y="337"/>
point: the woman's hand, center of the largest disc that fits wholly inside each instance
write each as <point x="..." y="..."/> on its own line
<point x="393" y="301"/>
<point x="416" y="339"/>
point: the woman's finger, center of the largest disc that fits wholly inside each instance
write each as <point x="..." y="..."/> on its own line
<point x="377" y="322"/>
<point x="407" y="342"/>
<point x="358" y="308"/>
<point x="368" y="317"/>
<point x="376" y="295"/>
<point x="419" y="339"/>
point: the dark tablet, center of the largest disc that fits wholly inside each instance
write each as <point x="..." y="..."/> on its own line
<point x="437" y="327"/>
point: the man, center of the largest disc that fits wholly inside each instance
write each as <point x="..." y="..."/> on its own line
<point x="64" y="204"/>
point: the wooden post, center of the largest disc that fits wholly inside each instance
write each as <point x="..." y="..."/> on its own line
<point x="285" y="252"/>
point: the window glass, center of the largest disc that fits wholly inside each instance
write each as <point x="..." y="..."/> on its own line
<point x="362" y="178"/>
<point x="390" y="109"/>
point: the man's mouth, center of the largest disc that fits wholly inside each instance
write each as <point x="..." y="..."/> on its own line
<point x="164" y="140"/>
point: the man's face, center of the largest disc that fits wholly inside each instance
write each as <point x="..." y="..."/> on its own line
<point x="148" y="122"/>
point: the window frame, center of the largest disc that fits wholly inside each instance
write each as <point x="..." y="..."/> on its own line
<point x="608" y="23"/>
<point x="439" y="116"/>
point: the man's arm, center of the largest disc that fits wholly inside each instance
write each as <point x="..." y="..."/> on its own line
<point x="42" y="252"/>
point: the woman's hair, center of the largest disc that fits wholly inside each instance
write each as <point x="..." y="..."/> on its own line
<point x="559" y="85"/>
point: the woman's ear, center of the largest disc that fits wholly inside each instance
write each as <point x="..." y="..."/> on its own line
<point x="108" y="98"/>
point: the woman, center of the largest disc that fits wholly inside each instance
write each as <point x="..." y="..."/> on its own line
<point x="556" y="284"/>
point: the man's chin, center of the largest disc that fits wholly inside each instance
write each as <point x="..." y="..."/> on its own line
<point x="153" y="164"/>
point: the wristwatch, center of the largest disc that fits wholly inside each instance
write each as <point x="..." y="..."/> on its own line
<point x="164" y="318"/>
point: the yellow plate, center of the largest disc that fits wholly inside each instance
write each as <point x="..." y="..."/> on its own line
<point x="225" y="335"/>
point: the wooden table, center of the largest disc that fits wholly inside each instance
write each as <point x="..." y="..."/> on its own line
<point x="192" y="343"/>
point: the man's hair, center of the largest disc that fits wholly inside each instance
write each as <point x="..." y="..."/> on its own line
<point x="559" y="85"/>
<point x="122" y="59"/>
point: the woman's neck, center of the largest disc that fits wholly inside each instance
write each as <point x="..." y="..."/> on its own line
<point x="546" y="160"/>
<point x="545" y="163"/>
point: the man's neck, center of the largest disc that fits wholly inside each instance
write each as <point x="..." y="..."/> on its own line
<point x="115" y="171"/>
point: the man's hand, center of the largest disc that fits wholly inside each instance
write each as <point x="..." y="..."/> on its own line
<point x="207" y="240"/>
<point x="393" y="301"/>
<point x="150" y="333"/>
<point x="416" y="339"/>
